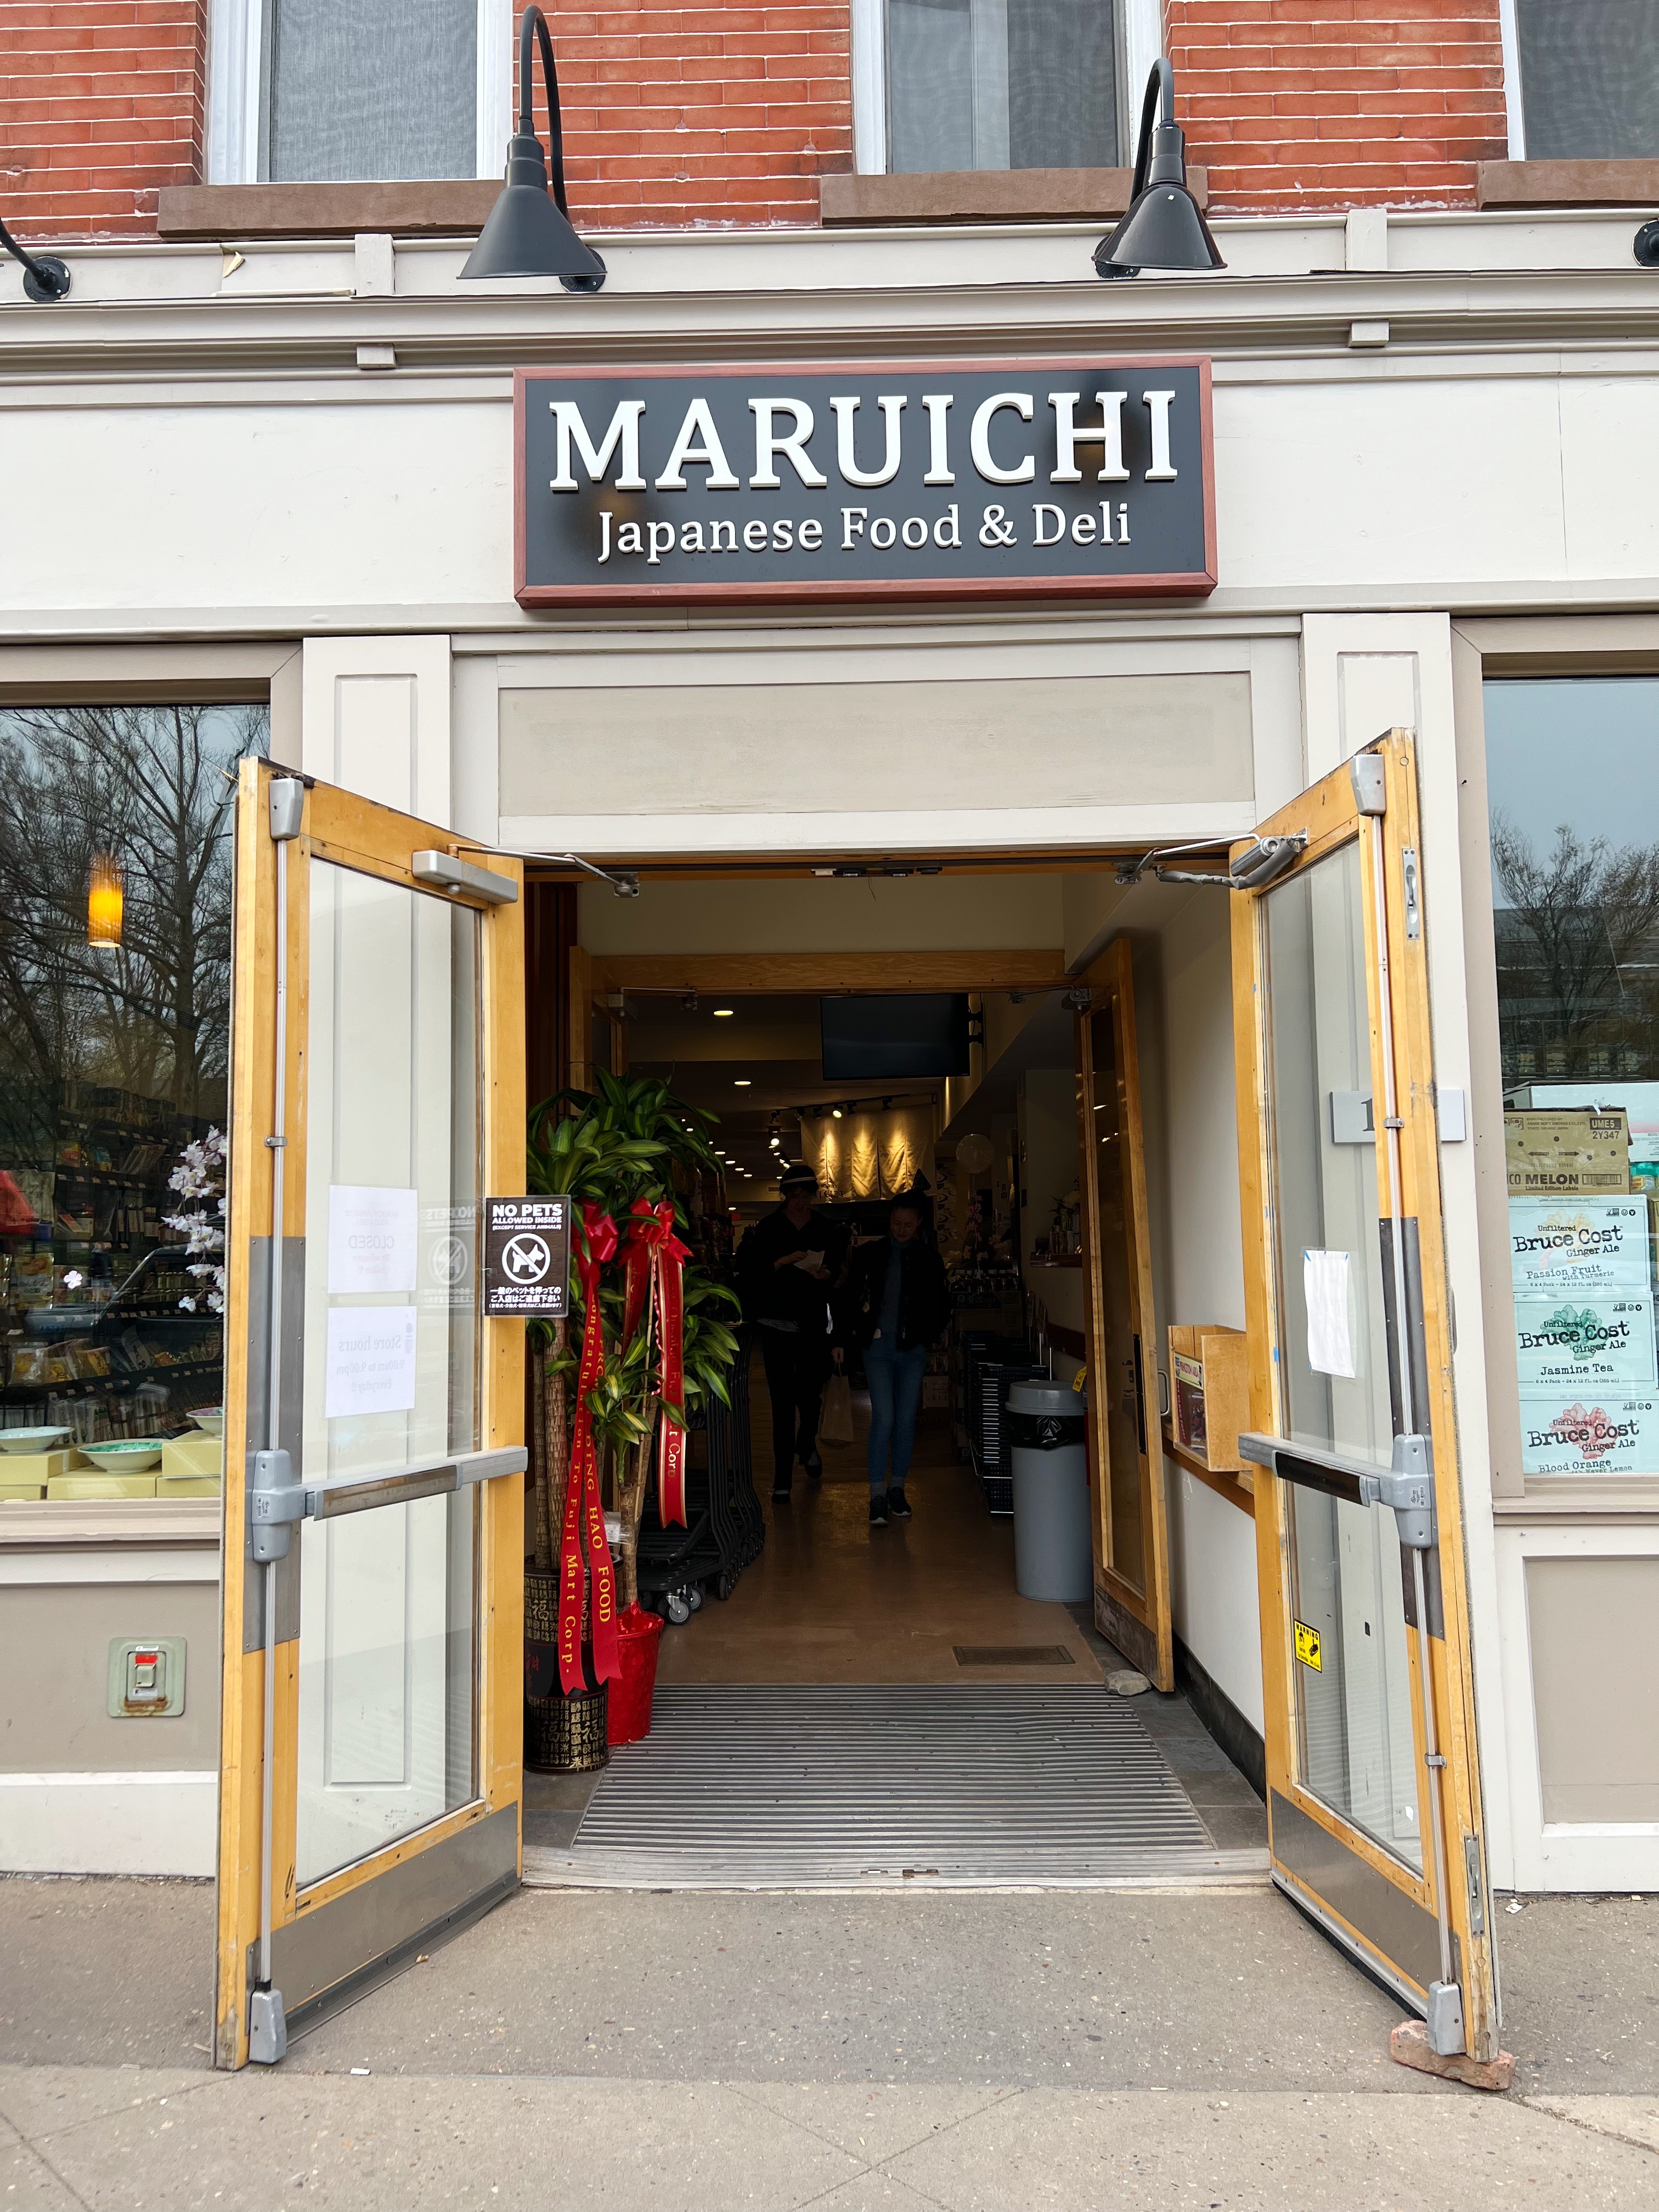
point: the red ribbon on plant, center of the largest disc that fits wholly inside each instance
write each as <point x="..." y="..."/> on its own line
<point x="584" y="1511"/>
<point x="650" y="1234"/>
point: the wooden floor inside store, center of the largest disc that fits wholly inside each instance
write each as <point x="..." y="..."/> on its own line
<point x="831" y="1600"/>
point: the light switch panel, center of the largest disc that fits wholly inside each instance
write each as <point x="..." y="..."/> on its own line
<point x="146" y="1677"/>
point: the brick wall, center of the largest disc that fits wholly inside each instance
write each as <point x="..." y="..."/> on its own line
<point x="1295" y="104"/>
<point x="717" y="114"/>
<point x="100" y="104"/>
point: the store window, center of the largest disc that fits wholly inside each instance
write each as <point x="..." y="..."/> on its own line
<point x="1574" y="798"/>
<point x="1003" y="84"/>
<point x="115" y="959"/>
<point x="1589" y="78"/>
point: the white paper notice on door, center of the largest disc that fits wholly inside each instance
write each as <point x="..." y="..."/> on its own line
<point x="371" y="1239"/>
<point x="371" y="1361"/>
<point x="1330" y="1338"/>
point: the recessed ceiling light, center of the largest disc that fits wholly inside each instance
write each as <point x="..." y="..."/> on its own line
<point x="740" y="1082"/>
<point x="724" y="1013"/>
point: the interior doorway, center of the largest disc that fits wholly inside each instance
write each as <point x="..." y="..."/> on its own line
<point x="930" y="1719"/>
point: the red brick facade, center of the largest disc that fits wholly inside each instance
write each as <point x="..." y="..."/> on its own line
<point x="102" y="103"/>
<point x="728" y="113"/>
<point x="717" y="114"/>
<point x="1295" y="104"/>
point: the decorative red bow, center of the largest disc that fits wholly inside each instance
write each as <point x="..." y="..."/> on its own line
<point x="657" y="1258"/>
<point x="584" y="1511"/>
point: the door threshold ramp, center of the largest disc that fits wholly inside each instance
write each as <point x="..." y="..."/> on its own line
<point x="549" y="1868"/>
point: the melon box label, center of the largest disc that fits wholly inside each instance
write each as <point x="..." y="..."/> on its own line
<point x="1574" y="1339"/>
<point x="1589" y="1435"/>
<point x="1573" y="1245"/>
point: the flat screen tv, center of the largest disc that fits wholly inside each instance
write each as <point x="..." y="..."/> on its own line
<point x="901" y="1038"/>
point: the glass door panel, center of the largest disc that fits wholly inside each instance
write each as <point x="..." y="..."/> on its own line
<point x="1355" y="1748"/>
<point x="386" y="1689"/>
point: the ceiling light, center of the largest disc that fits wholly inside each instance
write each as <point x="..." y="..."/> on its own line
<point x="834" y="1112"/>
<point x="724" y="1013"/>
<point x="740" y="1082"/>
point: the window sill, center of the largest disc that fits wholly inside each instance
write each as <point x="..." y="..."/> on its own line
<point x="1567" y="184"/>
<point x="984" y="195"/>
<point x="445" y="207"/>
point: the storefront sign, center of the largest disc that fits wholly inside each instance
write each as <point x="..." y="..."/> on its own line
<point x="526" y="1257"/>
<point x="1083" y="477"/>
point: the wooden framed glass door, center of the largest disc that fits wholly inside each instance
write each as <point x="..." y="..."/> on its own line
<point x="372" y="1671"/>
<point x="1373" y="1785"/>
<point x="1130" y="1517"/>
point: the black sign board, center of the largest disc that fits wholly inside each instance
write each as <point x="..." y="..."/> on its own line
<point x="527" y="1257"/>
<point x="1086" y="477"/>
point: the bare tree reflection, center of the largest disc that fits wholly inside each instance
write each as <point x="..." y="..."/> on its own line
<point x="1578" y="955"/>
<point x="153" y="786"/>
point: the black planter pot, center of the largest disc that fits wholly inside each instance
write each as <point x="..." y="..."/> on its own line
<point x="561" y="1735"/>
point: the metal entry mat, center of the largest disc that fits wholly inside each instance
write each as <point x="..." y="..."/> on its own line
<point x="891" y="1786"/>
<point x="1012" y="1655"/>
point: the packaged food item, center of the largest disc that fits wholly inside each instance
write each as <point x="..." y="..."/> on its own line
<point x="1567" y="1149"/>
<point x="1574" y="1244"/>
<point x="1592" y="1435"/>
<point x="1600" y="1339"/>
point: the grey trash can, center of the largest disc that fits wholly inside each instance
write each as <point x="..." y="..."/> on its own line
<point x="1047" y="1445"/>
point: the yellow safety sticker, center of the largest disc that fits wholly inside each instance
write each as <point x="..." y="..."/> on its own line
<point x="1307" y="1647"/>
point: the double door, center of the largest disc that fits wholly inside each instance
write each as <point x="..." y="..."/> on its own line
<point x="1373" y="1784"/>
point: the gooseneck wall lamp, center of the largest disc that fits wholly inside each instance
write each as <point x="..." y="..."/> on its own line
<point x="1162" y="227"/>
<point x="529" y="233"/>
<point x="45" y="279"/>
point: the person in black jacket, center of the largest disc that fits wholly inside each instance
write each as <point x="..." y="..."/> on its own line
<point x="895" y="1305"/>
<point x="786" y="1265"/>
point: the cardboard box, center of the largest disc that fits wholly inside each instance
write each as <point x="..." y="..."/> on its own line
<point x="1209" y="1392"/>
<point x="193" y="1457"/>
<point x="1573" y="1245"/>
<point x="1598" y="1340"/>
<point x="39" y="1468"/>
<point x="1591" y="1435"/>
<point x="93" y="1483"/>
<point x="1568" y="1150"/>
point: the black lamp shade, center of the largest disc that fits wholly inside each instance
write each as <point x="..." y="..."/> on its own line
<point x="1162" y="229"/>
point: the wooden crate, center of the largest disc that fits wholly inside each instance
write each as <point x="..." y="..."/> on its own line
<point x="1209" y="1392"/>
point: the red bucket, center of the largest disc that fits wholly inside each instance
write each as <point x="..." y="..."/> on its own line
<point x="629" y="1716"/>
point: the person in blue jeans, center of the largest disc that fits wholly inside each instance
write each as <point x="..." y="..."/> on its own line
<point x="894" y="1305"/>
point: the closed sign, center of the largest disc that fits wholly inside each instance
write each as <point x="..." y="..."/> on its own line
<point x="1084" y="477"/>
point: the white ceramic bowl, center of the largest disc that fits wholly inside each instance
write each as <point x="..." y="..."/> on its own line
<point x="136" y="1456"/>
<point x="32" y="1440"/>
<point x="210" y="1420"/>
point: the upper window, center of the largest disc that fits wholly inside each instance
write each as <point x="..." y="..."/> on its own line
<point x="1003" y="84"/>
<point x="353" y="93"/>
<point x="1589" y="78"/>
<point x="337" y="92"/>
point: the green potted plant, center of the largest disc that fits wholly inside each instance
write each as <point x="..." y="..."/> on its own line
<point x="663" y="1343"/>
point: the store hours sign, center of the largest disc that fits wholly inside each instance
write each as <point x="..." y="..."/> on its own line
<point x="1080" y="477"/>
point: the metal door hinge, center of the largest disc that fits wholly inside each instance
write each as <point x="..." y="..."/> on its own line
<point x="1413" y="899"/>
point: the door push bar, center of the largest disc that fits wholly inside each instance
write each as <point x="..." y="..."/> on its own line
<point x="1408" y="1487"/>
<point x="276" y="1499"/>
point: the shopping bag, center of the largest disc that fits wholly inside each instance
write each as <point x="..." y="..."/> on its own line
<point x="835" y="1421"/>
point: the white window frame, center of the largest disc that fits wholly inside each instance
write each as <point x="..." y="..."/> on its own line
<point x="236" y="88"/>
<point x="1509" y="32"/>
<point x="1142" y="44"/>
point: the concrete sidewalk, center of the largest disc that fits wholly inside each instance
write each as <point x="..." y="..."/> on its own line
<point x="1079" y="2050"/>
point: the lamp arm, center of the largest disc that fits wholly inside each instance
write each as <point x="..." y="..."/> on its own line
<point x="534" y="28"/>
<point x="1160" y="96"/>
<point x="50" y="275"/>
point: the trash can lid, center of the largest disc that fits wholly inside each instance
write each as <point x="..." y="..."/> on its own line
<point x="1043" y="1396"/>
